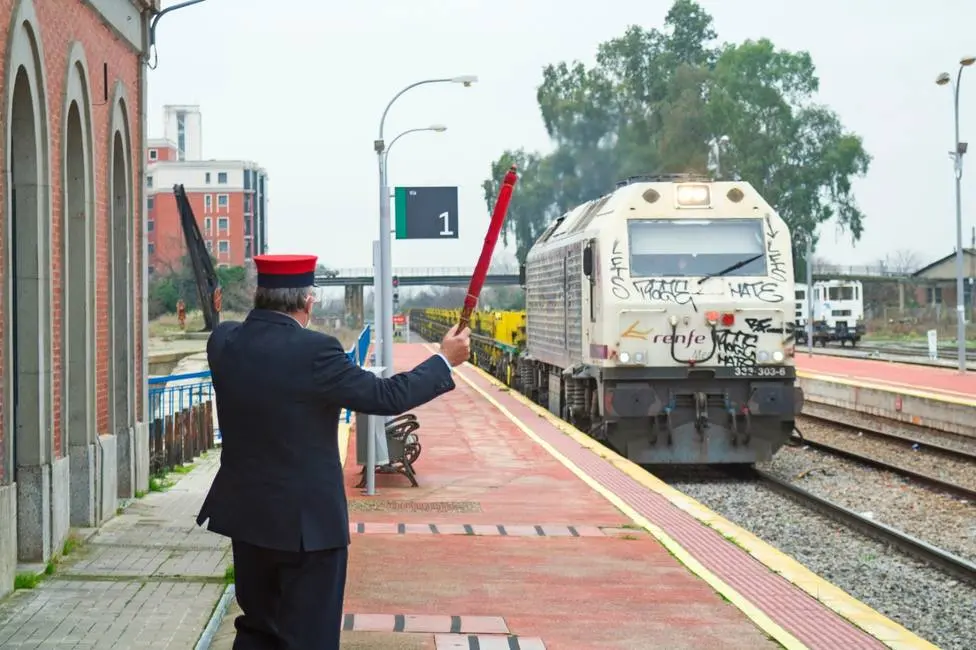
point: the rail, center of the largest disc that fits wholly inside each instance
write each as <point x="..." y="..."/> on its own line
<point x="958" y="567"/>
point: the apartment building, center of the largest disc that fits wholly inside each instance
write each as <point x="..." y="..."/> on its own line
<point x="229" y="197"/>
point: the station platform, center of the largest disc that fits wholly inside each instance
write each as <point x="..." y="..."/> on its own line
<point x="890" y="374"/>
<point x="939" y="399"/>
<point x="525" y="533"/>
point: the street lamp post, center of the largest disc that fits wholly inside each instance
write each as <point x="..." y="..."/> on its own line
<point x="378" y="289"/>
<point x="809" y="296"/>
<point x="436" y="128"/>
<point x="384" y="314"/>
<point x="959" y="149"/>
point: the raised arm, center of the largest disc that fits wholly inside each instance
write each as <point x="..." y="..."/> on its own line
<point x="340" y="381"/>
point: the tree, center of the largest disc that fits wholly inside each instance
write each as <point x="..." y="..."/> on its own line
<point x="174" y="282"/>
<point x="653" y="101"/>
<point x="533" y="203"/>
<point x="902" y="262"/>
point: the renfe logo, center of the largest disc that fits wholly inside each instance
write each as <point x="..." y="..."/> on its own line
<point x="686" y="339"/>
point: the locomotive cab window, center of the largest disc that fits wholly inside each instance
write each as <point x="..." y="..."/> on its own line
<point x="841" y="293"/>
<point x="695" y="248"/>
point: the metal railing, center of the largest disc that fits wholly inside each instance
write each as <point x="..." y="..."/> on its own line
<point x="833" y="270"/>
<point x="419" y="271"/>
<point x="858" y="270"/>
<point x="181" y="412"/>
<point x="181" y="420"/>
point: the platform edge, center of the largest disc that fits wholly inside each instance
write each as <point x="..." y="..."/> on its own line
<point x="840" y="602"/>
<point x="950" y="398"/>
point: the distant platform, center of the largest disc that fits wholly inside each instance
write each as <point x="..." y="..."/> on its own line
<point x="938" y="382"/>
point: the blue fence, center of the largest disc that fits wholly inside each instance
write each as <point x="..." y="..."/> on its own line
<point x="181" y="418"/>
<point x="357" y="354"/>
<point x="181" y="411"/>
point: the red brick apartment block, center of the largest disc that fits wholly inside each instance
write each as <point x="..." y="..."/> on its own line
<point x="229" y="199"/>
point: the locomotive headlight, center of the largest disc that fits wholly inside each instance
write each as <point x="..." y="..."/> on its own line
<point x="778" y="356"/>
<point x="762" y="357"/>
<point x="692" y="196"/>
<point x="673" y="320"/>
<point x="639" y="357"/>
<point x="624" y="357"/>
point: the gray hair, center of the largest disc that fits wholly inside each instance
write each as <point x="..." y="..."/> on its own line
<point x="284" y="300"/>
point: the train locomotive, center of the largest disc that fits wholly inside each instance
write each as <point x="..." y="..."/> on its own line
<point x="659" y="319"/>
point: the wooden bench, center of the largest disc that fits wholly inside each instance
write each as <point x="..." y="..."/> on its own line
<point x="403" y="445"/>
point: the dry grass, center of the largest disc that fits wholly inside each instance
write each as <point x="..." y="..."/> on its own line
<point x="169" y="326"/>
<point x="347" y="337"/>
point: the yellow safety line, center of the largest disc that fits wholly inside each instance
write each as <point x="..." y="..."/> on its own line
<point x="891" y="387"/>
<point x="871" y="621"/>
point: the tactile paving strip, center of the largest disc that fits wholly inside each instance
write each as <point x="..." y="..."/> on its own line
<point x="418" y="623"/>
<point x="499" y="530"/>
<point x="381" y="505"/>
<point x="480" y="642"/>
<point x="810" y="621"/>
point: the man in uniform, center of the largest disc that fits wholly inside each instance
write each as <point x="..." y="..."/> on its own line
<point x="279" y="494"/>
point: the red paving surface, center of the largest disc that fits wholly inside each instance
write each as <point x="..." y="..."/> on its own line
<point x="584" y="592"/>
<point x="896" y="375"/>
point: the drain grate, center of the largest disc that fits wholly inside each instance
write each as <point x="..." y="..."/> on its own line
<point x="390" y="505"/>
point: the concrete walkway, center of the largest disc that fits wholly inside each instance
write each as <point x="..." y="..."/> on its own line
<point x="148" y="578"/>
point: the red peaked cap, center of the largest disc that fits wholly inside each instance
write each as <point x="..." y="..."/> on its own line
<point x="285" y="271"/>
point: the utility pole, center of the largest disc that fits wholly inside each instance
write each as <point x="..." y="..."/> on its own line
<point x="958" y="151"/>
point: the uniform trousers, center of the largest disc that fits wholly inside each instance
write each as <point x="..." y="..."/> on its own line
<point x="291" y="600"/>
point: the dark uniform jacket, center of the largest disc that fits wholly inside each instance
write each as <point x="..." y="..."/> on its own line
<point x="279" y="391"/>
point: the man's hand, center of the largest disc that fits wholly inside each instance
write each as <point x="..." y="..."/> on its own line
<point x="456" y="346"/>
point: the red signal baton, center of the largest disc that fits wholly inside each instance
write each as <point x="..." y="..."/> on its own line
<point x="494" y="229"/>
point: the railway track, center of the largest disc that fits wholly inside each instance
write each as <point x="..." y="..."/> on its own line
<point x="919" y="442"/>
<point x="912" y="356"/>
<point x="924" y="479"/>
<point x="911" y="436"/>
<point x="954" y="565"/>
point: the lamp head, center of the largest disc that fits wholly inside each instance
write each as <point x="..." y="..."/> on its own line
<point x="440" y="128"/>
<point x="942" y="79"/>
<point x="466" y="79"/>
<point x="967" y="61"/>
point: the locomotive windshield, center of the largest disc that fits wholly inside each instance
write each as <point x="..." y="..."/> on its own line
<point x="695" y="248"/>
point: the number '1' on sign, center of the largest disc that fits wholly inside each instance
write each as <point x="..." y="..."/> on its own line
<point x="445" y="218"/>
<point x="426" y="212"/>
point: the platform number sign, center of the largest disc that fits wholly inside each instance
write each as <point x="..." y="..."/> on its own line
<point x="426" y="212"/>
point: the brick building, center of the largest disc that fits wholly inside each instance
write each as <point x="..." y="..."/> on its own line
<point x="229" y="197"/>
<point x="73" y="436"/>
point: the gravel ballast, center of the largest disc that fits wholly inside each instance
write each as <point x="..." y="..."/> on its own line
<point x="926" y="601"/>
<point x="940" y="519"/>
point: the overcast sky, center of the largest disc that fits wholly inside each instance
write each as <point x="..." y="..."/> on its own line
<point x="299" y="87"/>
